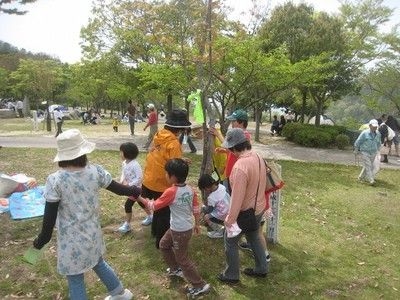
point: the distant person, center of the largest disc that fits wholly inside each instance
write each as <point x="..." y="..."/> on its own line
<point x="131" y="109"/>
<point x="290" y="117"/>
<point x="182" y="200"/>
<point x="59" y="119"/>
<point x="185" y="138"/>
<point x="368" y="144"/>
<point x="282" y="124"/>
<point x="72" y="198"/>
<point x="19" y="107"/>
<point x="394" y="124"/>
<point x="275" y="125"/>
<point x="115" y="123"/>
<point x="152" y="123"/>
<point x="384" y="131"/>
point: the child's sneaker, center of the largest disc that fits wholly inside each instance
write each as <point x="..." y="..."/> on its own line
<point x="148" y="220"/>
<point x="193" y="292"/>
<point x="125" y="228"/>
<point x="178" y="272"/>
<point x="127" y="295"/>
<point x="215" y="234"/>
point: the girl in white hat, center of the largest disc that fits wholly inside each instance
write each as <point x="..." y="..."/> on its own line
<point x="72" y="197"/>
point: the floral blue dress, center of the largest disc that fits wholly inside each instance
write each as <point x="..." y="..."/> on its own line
<point x="79" y="236"/>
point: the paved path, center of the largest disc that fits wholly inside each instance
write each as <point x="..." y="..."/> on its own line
<point x="280" y="150"/>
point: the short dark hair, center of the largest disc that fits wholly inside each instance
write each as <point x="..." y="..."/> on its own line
<point x="80" y="161"/>
<point x="129" y="150"/>
<point x="244" y="122"/>
<point x="177" y="167"/>
<point x="206" y="181"/>
<point x="242" y="146"/>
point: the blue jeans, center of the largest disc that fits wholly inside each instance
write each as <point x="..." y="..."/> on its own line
<point x="76" y="283"/>
<point x="232" y="253"/>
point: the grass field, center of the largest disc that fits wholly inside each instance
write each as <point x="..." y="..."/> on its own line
<point x="337" y="239"/>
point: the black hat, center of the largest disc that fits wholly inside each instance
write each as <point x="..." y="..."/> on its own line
<point x="178" y="119"/>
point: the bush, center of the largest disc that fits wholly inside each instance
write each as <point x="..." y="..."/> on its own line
<point x="308" y="135"/>
<point x="342" y="141"/>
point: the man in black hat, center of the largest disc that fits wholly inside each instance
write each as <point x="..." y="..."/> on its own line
<point x="164" y="147"/>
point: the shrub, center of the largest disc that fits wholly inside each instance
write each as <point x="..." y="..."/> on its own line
<point x="342" y="141"/>
<point x="308" y="135"/>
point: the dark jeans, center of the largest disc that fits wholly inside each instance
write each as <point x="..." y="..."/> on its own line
<point x="59" y="128"/>
<point x="132" y="124"/>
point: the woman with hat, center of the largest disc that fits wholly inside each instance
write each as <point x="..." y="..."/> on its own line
<point x="165" y="146"/>
<point x="248" y="182"/>
<point x="72" y="197"/>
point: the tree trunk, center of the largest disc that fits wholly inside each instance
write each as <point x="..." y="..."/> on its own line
<point x="169" y="104"/>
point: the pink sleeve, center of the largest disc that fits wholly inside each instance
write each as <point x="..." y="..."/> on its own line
<point x="166" y="198"/>
<point x="238" y="181"/>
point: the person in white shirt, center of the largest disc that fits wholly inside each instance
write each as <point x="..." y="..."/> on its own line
<point x="58" y="118"/>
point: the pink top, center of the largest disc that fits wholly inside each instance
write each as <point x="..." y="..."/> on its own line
<point x="230" y="161"/>
<point x="248" y="171"/>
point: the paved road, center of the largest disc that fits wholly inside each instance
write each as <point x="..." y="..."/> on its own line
<point x="281" y="150"/>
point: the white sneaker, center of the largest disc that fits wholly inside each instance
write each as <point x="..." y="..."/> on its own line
<point x="192" y="292"/>
<point x="215" y="234"/>
<point x="124" y="228"/>
<point x="178" y="272"/>
<point x="148" y="220"/>
<point x="127" y="295"/>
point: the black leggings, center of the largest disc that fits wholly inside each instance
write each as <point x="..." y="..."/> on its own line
<point x="161" y="217"/>
<point x="129" y="204"/>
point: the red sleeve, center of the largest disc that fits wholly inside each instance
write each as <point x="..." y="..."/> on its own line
<point x="196" y="206"/>
<point x="166" y="198"/>
<point x="266" y="200"/>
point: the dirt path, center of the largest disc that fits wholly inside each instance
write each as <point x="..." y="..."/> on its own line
<point x="272" y="147"/>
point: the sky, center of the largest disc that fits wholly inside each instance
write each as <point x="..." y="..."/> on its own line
<point x="53" y="26"/>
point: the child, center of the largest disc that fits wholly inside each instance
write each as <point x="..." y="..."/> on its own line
<point x="115" y="123"/>
<point x="72" y="197"/>
<point x="182" y="200"/>
<point x="132" y="175"/>
<point x="217" y="204"/>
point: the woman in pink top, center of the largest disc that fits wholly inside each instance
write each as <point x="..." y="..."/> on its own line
<point x="248" y="181"/>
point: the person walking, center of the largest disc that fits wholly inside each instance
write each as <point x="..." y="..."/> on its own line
<point x="59" y="119"/>
<point x="174" y="245"/>
<point x="152" y="123"/>
<point x="19" y="107"/>
<point x="248" y="183"/>
<point x="395" y="126"/>
<point x="131" y="109"/>
<point x="72" y="198"/>
<point x="368" y="144"/>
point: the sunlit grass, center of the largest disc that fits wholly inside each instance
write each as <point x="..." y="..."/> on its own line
<point x="337" y="239"/>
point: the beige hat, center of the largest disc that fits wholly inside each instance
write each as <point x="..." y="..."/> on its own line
<point x="71" y="145"/>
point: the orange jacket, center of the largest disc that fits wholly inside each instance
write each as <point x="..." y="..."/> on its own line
<point x="166" y="146"/>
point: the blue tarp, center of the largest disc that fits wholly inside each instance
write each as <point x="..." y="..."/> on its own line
<point x="28" y="204"/>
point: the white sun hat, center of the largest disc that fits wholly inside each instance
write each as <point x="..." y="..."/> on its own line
<point x="71" y="145"/>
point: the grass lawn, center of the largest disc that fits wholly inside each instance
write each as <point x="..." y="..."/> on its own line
<point x="337" y="239"/>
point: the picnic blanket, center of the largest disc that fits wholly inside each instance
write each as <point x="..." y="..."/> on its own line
<point x="27" y="204"/>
